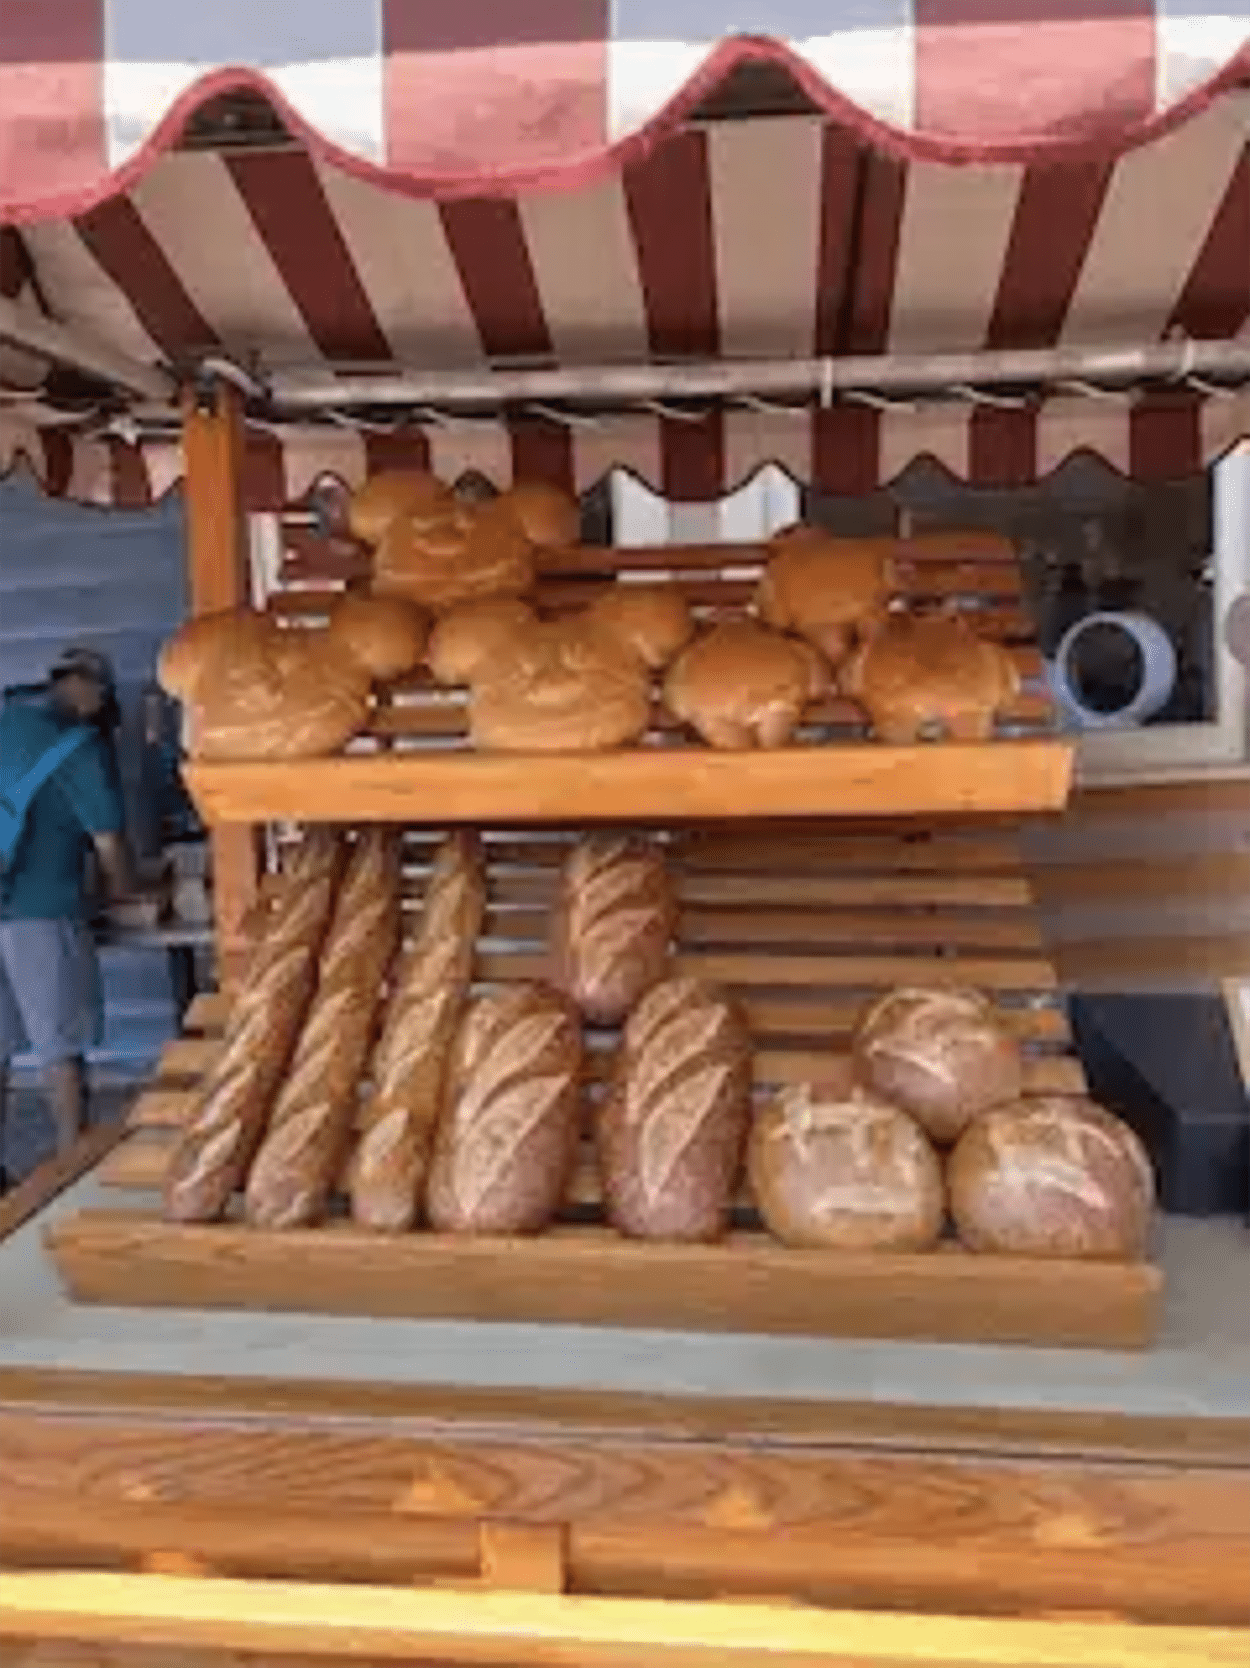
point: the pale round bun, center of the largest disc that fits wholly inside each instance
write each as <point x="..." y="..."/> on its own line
<point x="1051" y="1177"/>
<point x="653" y="620"/>
<point x="824" y="588"/>
<point x="473" y="634"/>
<point x="833" y="1166"/>
<point x="941" y="1055"/>
<point x="741" y="685"/>
<point x="548" y="516"/>
<point x="385" y="635"/>
<point x="393" y="493"/>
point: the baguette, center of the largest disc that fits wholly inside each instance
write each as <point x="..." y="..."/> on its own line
<point x="301" y="1155"/>
<point x="215" y="1147"/>
<point x="387" y="1175"/>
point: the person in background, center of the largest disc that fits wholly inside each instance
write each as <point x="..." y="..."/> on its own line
<point x="50" y="998"/>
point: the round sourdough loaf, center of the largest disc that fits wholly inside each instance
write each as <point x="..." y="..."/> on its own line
<point x="941" y="1055"/>
<point x="672" y="1131"/>
<point x="1051" y="1177"/>
<point x="831" y="1165"/>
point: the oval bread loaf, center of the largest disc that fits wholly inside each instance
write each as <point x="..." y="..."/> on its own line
<point x="215" y="1146"/>
<point x="672" y="1131"/>
<point x="1051" y="1177"/>
<point x="613" y="923"/>
<point x="508" y="1137"/>
<point x="409" y="1072"/>
<point x="833" y="1166"/>
<point x="942" y="1055"/>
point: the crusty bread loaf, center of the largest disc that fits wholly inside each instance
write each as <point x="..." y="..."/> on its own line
<point x="301" y="1156"/>
<point x="507" y="1140"/>
<point x="391" y="494"/>
<point x="613" y="923"/>
<point x="549" y="517"/>
<point x="457" y="552"/>
<point x="653" y="620"/>
<point x="742" y="685"/>
<point x="475" y="634"/>
<point x="564" y="686"/>
<point x="215" y="1146"/>
<point x="824" y="588"/>
<point x="672" y="1131"/>
<point x="941" y="1055"/>
<point x="832" y="1165"/>
<point x="1051" y="1177"/>
<point x="930" y="677"/>
<point x="253" y="689"/>
<point x="409" y="1070"/>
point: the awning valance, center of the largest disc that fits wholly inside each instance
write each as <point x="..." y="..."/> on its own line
<point x="475" y="95"/>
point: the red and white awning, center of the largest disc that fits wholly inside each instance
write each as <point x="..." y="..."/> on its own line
<point x="476" y="95"/>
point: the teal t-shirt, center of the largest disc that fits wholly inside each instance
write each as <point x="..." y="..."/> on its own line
<point x="45" y="880"/>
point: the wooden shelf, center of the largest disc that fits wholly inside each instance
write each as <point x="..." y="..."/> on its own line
<point x="676" y="783"/>
<point x="592" y="1277"/>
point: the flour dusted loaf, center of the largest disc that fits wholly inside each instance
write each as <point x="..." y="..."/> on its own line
<point x="941" y="1055"/>
<point x="1050" y="1176"/>
<point x="475" y="634"/>
<point x="930" y="677"/>
<point x="310" y="1125"/>
<point x="824" y="588"/>
<point x="833" y="1166"/>
<point x="215" y="1146"/>
<point x="743" y="685"/>
<point x="560" y="686"/>
<point x="254" y="689"/>
<point x="671" y="1133"/>
<point x="653" y="620"/>
<point x="507" y="1140"/>
<point x="613" y="923"/>
<point x="409" y="1068"/>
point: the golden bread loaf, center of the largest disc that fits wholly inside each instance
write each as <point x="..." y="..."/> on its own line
<point x="743" y="685"/>
<point x="824" y="588"/>
<point x="923" y="677"/>
<point x="613" y="924"/>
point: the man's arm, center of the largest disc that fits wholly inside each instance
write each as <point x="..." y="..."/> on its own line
<point x="113" y="856"/>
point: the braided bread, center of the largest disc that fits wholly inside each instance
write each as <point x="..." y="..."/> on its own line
<point x="301" y="1155"/>
<point x="387" y="1179"/>
<point x="212" y="1154"/>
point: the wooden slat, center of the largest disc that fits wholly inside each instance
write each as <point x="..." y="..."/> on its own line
<point x="647" y="783"/>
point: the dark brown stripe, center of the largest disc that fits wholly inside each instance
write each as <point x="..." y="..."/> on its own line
<point x="668" y="196"/>
<point x="116" y="235"/>
<point x="263" y="477"/>
<point x="693" y="458"/>
<point x="1215" y="302"/>
<point x="1165" y="436"/>
<point x="407" y="448"/>
<point x="1055" y="219"/>
<point x="542" y="451"/>
<point x="285" y="199"/>
<point x="840" y="162"/>
<point x="846" y="451"/>
<point x="58" y="462"/>
<point x="1002" y="447"/>
<point x="487" y="243"/>
<point x="131" y="486"/>
<point x="879" y="218"/>
<point x="16" y="270"/>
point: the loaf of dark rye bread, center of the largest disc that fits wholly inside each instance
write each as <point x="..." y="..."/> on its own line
<point x="672" y="1130"/>
<point x="613" y="924"/>
<point x="301" y="1156"/>
<point x="215" y="1147"/>
<point x="409" y="1071"/>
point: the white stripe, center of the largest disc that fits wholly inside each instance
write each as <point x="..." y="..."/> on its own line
<point x="313" y="452"/>
<point x="324" y="56"/>
<point x="1225" y="421"/>
<point x="165" y="465"/>
<point x="1154" y="221"/>
<point x="1068" y="425"/>
<point x="586" y="269"/>
<point x="400" y="253"/>
<point x="629" y="443"/>
<point x="81" y="293"/>
<point x="765" y="188"/>
<point x="755" y="438"/>
<point x="91" y="473"/>
<point x="953" y="240"/>
<point x="1194" y="41"/>
<point x="937" y="431"/>
<point x="455" y="448"/>
<point x="192" y="207"/>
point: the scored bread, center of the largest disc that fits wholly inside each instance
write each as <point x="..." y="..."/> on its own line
<point x="613" y="924"/>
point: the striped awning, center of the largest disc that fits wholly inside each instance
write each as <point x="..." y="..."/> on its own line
<point x="477" y="94"/>
<point x="737" y="239"/>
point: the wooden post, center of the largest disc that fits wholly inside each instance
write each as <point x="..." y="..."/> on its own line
<point x="219" y="572"/>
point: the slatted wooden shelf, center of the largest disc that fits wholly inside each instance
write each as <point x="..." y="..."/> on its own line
<point x="416" y="753"/>
<point x="804" y="927"/>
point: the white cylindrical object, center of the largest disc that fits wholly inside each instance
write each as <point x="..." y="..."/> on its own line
<point x="1158" y="676"/>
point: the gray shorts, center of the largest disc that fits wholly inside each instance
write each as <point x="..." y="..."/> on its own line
<point x="50" y="1001"/>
